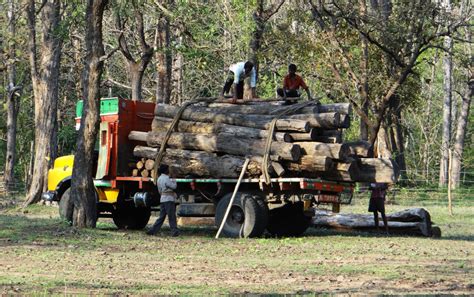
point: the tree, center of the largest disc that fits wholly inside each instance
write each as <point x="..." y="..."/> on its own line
<point x="411" y="30"/>
<point x="136" y="67"/>
<point x="261" y="15"/>
<point x="447" y="103"/>
<point x="466" y="96"/>
<point x="44" y="67"/>
<point x="13" y="102"/>
<point x="83" y="194"/>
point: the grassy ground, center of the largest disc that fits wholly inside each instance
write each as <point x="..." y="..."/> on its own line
<point x="40" y="254"/>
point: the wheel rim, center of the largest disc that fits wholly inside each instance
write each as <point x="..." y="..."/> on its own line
<point x="236" y="216"/>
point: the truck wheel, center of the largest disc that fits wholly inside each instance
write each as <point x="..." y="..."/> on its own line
<point x="288" y="220"/>
<point x="246" y="218"/>
<point x="131" y="217"/>
<point x="66" y="207"/>
<point x="264" y="213"/>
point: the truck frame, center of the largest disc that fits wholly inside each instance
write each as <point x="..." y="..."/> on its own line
<point x="283" y="207"/>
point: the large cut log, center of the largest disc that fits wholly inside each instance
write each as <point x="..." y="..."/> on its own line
<point x="310" y="136"/>
<point x="331" y="150"/>
<point x="415" y="221"/>
<point x="325" y="132"/>
<point x="224" y="143"/>
<point x="377" y="170"/>
<point x="316" y="134"/>
<point x="339" y="172"/>
<point x="310" y="164"/>
<point x="138" y="136"/>
<point x="342" y="108"/>
<point x="254" y="121"/>
<point x="199" y="163"/>
<point x="330" y="120"/>
<point x="161" y="124"/>
<point x="265" y="109"/>
<point x="359" y="148"/>
<point x="328" y="139"/>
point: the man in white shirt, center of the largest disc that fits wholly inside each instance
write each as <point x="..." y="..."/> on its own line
<point x="166" y="187"/>
<point x="237" y="73"/>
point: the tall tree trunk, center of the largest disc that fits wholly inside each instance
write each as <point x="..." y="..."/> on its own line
<point x="176" y="91"/>
<point x="82" y="187"/>
<point x="260" y="17"/>
<point x="461" y="133"/>
<point x="463" y="119"/>
<point x="45" y="77"/>
<point x="364" y="84"/>
<point x="12" y="104"/>
<point x="163" y="61"/>
<point x="136" y="67"/>
<point x="397" y="146"/>
<point x="447" y="104"/>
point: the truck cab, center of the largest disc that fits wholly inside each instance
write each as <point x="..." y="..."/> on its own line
<point x="113" y="153"/>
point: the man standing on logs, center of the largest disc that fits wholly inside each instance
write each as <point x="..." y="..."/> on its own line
<point x="377" y="203"/>
<point x="292" y="83"/>
<point x="235" y="78"/>
<point x="166" y="188"/>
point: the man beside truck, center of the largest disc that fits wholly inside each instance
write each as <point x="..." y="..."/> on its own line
<point x="166" y="187"/>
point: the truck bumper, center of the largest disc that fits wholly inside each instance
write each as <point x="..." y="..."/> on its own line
<point x="49" y="196"/>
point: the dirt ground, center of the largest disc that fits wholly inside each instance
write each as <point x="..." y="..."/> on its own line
<point x="41" y="254"/>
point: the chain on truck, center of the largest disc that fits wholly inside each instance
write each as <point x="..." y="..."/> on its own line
<point x="283" y="207"/>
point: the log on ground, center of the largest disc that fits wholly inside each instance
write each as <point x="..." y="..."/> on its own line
<point x="407" y="222"/>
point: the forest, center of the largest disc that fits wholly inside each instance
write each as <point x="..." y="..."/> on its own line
<point x="405" y="67"/>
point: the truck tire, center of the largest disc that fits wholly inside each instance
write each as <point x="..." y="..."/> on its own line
<point x="288" y="220"/>
<point x="131" y="217"/>
<point x="246" y="218"/>
<point x="66" y="207"/>
<point x="264" y="213"/>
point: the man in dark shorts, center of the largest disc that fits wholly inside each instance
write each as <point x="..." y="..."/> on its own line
<point x="235" y="80"/>
<point x="292" y="83"/>
<point x="377" y="203"/>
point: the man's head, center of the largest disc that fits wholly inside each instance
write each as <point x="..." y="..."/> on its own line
<point x="248" y="67"/>
<point x="164" y="169"/>
<point x="292" y="69"/>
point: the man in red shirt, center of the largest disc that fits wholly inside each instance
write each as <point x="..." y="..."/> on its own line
<point x="292" y="83"/>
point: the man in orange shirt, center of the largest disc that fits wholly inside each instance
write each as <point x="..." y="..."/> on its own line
<point x="291" y="84"/>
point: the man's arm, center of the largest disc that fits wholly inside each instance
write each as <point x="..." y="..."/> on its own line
<point x="254" y="93"/>
<point x="171" y="184"/>
<point x="308" y="93"/>
<point x="234" y="95"/>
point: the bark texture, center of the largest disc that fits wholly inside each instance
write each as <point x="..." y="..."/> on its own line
<point x="13" y="102"/>
<point x="44" y="66"/>
<point x="82" y="187"/>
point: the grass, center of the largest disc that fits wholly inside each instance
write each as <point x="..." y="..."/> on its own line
<point x="40" y="254"/>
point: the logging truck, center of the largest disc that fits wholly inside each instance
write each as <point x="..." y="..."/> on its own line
<point x="283" y="207"/>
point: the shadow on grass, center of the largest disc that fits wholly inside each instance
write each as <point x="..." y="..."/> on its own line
<point x="319" y="232"/>
<point x="18" y="229"/>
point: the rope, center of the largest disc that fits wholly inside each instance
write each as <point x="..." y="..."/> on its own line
<point x="244" y="168"/>
<point x="171" y="129"/>
<point x="266" y="154"/>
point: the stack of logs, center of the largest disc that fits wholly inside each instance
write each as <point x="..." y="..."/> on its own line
<point x="213" y="139"/>
<point x="143" y="167"/>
